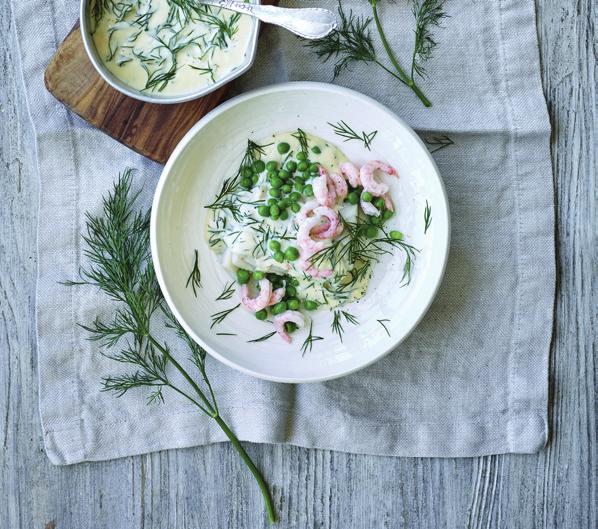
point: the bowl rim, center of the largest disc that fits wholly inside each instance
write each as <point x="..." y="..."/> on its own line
<point x="125" y="89"/>
<point x="182" y="145"/>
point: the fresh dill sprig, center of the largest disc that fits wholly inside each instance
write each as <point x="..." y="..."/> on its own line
<point x="343" y="130"/>
<point x="226" y="198"/>
<point x="309" y="341"/>
<point x="194" y="278"/>
<point x="427" y="217"/>
<point x="301" y="137"/>
<point x="438" y="142"/>
<point x="382" y="322"/>
<point x="262" y="338"/>
<point x="219" y="317"/>
<point x="117" y="246"/>
<point x="352" y="42"/>
<point x="337" y="326"/>
<point x="228" y="292"/>
<point x="225" y="334"/>
<point x="428" y="14"/>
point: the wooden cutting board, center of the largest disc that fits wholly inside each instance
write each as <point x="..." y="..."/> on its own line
<point x="150" y="129"/>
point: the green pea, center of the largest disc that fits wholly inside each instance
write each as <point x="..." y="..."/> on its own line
<point x="310" y="305"/>
<point x="366" y="196"/>
<point x="246" y="182"/>
<point x="376" y="221"/>
<point x="293" y="303"/>
<point x="371" y="232"/>
<point x="275" y="193"/>
<point x="272" y="165"/>
<point x="258" y="275"/>
<point x="272" y="174"/>
<point x="292" y="281"/>
<point x="290" y="291"/>
<point x="314" y="168"/>
<point x="294" y="196"/>
<point x="302" y="156"/>
<point x="316" y="150"/>
<point x="284" y="174"/>
<point x="278" y="256"/>
<point x="255" y="179"/>
<point x="379" y="202"/>
<point x="279" y="308"/>
<point x="308" y="191"/>
<point x="261" y="314"/>
<point x="263" y="211"/>
<point x="291" y="253"/>
<point x="302" y="177"/>
<point x="387" y="214"/>
<point x="299" y="186"/>
<point x="295" y="207"/>
<point x="353" y="197"/>
<point x="291" y="166"/>
<point x="284" y="214"/>
<point x="396" y="235"/>
<point x="247" y="172"/>
<point x="290" y="326"/>
<point x="276" y="182"/>
<point x="283" y="147"/>
<point x="274" y="246"/>
<point x="259" y="166"/>
<point x="303" y="166"/>
<point x="287" y="188"/>
<point x="242" y="276"/>
<point x="274" y="212"/>
<point x="272" y="202"/>
<point x="284" y="203"/>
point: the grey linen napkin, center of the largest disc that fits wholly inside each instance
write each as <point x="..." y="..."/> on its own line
<point x="471" y="380"/>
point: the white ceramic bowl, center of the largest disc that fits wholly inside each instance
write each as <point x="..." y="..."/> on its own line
<point x="157" y="97"/>
<point x="212" y="150"/>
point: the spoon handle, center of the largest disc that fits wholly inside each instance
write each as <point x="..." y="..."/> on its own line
<point x="309" y="23"/>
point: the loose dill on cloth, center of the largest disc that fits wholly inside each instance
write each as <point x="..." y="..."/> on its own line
<point x="352" y="41"/>
<point x="117" y="245"/>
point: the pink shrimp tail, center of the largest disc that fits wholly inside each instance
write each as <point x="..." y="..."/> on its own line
<point x="340" y="185"/>
<point x="292" y="316"/>
<point x="261" y="301"/>
<point x="276" y="296"/>
<point x="324" y="189"/>
<point x="351" y="173"/>
<point x="388" y="202"/>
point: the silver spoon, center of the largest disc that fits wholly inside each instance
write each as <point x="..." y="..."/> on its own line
<point x="309" y="23"/>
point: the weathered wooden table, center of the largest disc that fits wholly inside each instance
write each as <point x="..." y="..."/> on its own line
<point x="208" y="487"/>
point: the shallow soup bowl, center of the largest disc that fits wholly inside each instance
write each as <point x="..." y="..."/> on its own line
<point x="86" y="27"/>
<point x="212" y="151"/>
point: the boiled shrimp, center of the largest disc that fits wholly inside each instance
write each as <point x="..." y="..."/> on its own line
<point x="261" y="301"/>
<point x="351" y="173"/>
<point x="368" y="177"/>
<point x="324" y="189"/>
<point x="292" y="316"/>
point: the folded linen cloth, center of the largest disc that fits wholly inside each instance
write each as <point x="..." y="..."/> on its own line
<point x="472" y="378"/>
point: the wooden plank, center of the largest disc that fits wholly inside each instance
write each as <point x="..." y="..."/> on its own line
<point x="152" y="130"/>
<point x="208" y="488"/>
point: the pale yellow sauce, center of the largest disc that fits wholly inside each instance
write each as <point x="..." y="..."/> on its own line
<point x="237" y="241"/>
<point x="155" y="48"/>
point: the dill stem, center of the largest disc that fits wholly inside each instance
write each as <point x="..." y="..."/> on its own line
<point x="406" y="79"/>
<point x="252" y="468"/>
<point x="212" y="412"/>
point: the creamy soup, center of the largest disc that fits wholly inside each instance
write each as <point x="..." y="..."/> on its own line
<point x="157" y="46"/>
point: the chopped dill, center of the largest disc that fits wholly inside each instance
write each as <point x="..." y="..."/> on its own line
<point x="219" y="317"/>
<point x="194" y="278"/>
<point x="263" y="338"/>
<point x="309" y="341"/>
<point x="382" y="322"/>
<point x="301" y="137"/>
<point x="438" y="142"/>
<point x="337" y="326"/>
<point x="345" y="131"/>
<point x="228" y="292"/>
<point x="427" y="217"/>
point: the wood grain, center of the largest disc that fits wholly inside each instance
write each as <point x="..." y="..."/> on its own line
<point x="149" y="129"/>
<point x="208" y="488"/>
